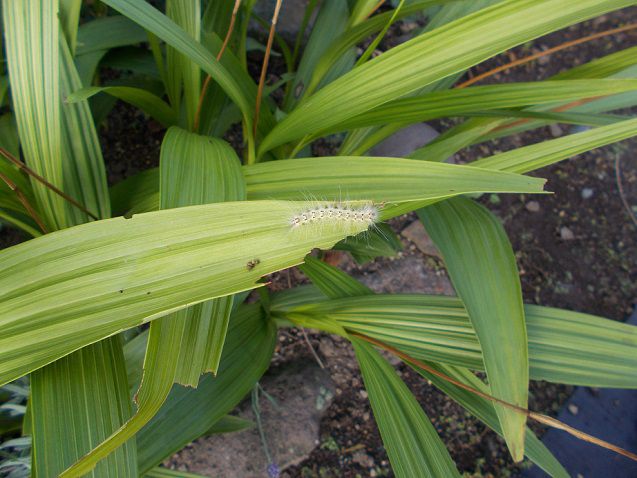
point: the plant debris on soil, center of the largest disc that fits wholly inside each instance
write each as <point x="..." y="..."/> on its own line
<point x="576" y="249"/>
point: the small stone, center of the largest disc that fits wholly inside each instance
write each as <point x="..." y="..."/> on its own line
<point x="533" y="206"/>
<point x="566" y="234"/>
<point x="416" y="233"/>
<point x="555" y="130"/>
<point x="573" y="409"/>
<point x="587" y="193"/>
<point x="364" y="393"/>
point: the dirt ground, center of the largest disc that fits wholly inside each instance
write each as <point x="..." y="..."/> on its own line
<point x="576" y="249"/>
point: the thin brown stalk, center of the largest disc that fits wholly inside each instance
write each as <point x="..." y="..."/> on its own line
<point x="309" y="345"/>
<point x="376" y="7"/>
<point x="208" y="79"/>
<point x="545" y="420"/>
<point x="550" y="51"/>
<point x="264" y="67"/>
<point x="25" y="202"/>
<point x="40" y="179"/>
<point x="622" y="196"/>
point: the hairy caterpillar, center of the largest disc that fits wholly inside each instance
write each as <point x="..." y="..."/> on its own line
<point x="351" y="218"/>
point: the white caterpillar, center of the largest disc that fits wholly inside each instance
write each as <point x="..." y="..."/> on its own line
<point x="348" y="216"/>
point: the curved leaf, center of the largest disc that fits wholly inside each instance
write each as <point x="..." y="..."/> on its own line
<point x="114" y="274"/>
<point x="482" y="267"/>
<point x="150" y="104"/>
<point x="564" y="346"/>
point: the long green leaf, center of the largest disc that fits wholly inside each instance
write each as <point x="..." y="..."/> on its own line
<point x="61" y="436"/>
<point x="114" y="274"/>
<point x="83" y="168"/>
<point x="482" y="268"/>
<point x="564" y="346"/>
<point x="143" y="99"/>
<point x="180" y="71"/>
<point x="539" y="155"/>
<point x="69" y="19"/>
<point x="105" y="33"/>
<point x="333" y="282"/>
<point x="411" y="441"/>
<point x="32" y="46"/>
<point x="391" y="180"/>
<point x="199" y="170"/>
<point x="463" y="101"/>
<point x="430" y="57"/>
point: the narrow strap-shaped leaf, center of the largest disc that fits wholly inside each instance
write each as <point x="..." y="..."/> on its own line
<point x="149" y="103"/>
<point x="535" y="156"/>
<point x="69" y="18"/>
<point x="84" y="171"/>
<point x="330" y="22"/>
<point x="481" y="264"/>
<point x="102" y="34"/>
<point x="31" y="40"/>
<point x="75" y="403"/>
<point x="180" y="70"/>
<point x="464" y="101"/>
<point x="411" y="441"/>
<point x="564" y="346"/>
<point x="535" y="450"/>
<point x="391" y="180"/>
<point x="381" y="241"/>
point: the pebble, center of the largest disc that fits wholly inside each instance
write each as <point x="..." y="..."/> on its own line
<point x="533" y="206"/>
<point x="587" y="193"/>
<point x="566" y="234"/>
<point x="573" y="409"/>
<point x="555" y="130"/>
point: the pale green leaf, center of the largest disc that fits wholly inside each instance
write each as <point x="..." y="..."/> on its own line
<point x="75" y="403"/>
<point x="115" y="274"/>
<point x="481" y="265"/>
<point x="391" y="180"/>
<point x="459" y="102"/>
<point x="31" y="31"/>
<point x="332" y="281"/>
